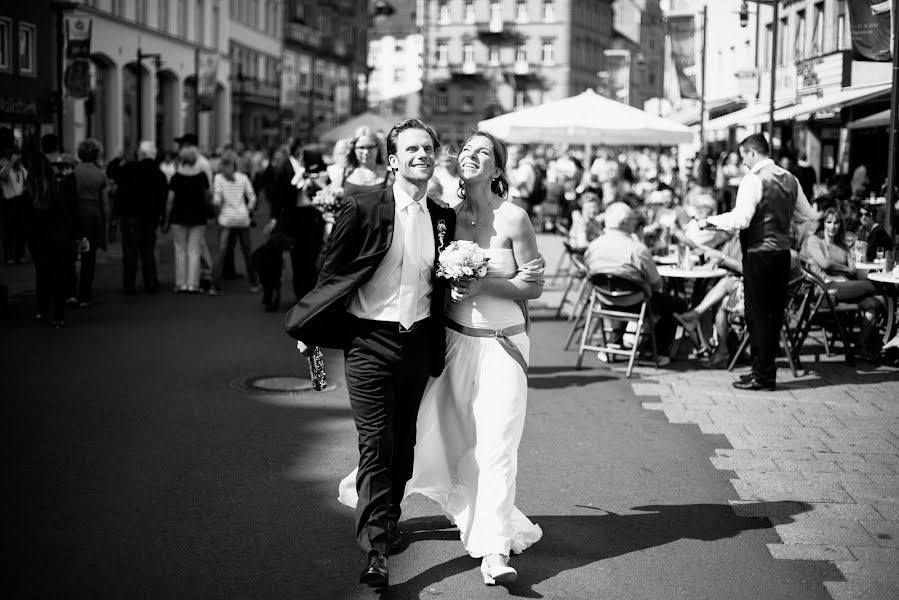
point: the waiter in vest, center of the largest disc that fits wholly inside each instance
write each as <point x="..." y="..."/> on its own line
<point x="768" y="199"/>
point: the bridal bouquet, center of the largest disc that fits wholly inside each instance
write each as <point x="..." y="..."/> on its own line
<point x="462" y="260"/>
<point x="328" y="199"/>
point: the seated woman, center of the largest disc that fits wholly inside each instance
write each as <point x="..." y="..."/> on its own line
<point x="586" y="224"/>
<point x="726" y="297"/>
<point x="827" y="256"/>
<point x="699" y="208"/>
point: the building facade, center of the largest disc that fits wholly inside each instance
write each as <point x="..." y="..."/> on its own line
<point x="255" y="48"/>
<point x="483" y="58"/>
<point x="153" y="48"/>
<point x="819" y="89"/>
<point x="27" y="70"/>
<point x="325" y="68"/>
<point x="635" y="62"/>
<point x="395" y="61"/>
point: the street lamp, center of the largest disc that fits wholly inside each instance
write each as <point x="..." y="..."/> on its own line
<point x="744" y="14"/>
<point x="383" y="9"/>
<point x="60" y="6"/>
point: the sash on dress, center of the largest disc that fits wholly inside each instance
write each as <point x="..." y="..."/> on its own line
<point x="501" y="335"/>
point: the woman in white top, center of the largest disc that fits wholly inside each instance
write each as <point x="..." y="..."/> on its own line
<point x="234" y="199"/>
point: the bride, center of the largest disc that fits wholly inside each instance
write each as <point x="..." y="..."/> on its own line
<point x="472" y="417"/>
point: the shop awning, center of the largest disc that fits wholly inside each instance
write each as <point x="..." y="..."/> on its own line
<point x="744" y="116"/>
<point x="809" y="107"/>
<point x="881" y="119"/>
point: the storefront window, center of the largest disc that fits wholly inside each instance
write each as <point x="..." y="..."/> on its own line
<point x="5" y="45"/>
<point x="27" y="34"/>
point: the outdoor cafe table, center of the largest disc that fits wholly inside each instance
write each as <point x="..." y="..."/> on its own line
<point x="670" y="272"/>
<point x="870" y="266"/>
<point x="889" y="284"/>
<point x="676" y="273"/>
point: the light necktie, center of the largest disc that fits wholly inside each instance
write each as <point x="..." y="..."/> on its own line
<point x="411" y="266"/>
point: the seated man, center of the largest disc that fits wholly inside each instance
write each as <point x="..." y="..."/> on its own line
<point x="872" y="233"/>
<point x="618" y="252"/>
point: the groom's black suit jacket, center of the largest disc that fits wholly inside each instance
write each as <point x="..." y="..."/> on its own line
<point x="360" y="240"/>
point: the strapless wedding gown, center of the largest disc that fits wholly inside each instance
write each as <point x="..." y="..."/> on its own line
<point x="470" y="424"/>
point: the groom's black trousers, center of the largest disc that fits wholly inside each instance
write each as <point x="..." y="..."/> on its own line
<point x="386" y="374"/>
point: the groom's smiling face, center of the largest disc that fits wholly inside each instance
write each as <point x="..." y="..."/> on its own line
<point x="415" y="155"/>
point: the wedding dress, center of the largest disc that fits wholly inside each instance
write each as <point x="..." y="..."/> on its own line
<point x="470" y="423"/>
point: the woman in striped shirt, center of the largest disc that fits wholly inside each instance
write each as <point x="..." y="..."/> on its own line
<point x="234" y="198"/>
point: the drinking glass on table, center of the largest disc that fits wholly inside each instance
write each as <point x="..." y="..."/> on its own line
<point x="880" y="255"/>
<point x="861" y="251"/>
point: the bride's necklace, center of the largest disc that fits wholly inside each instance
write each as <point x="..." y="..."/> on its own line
<point x="474" y="221"/>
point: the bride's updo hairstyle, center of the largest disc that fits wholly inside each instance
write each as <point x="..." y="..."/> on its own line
<point x="500" y="184"/>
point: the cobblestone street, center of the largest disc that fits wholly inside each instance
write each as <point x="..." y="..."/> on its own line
<point x="824" y="448"/>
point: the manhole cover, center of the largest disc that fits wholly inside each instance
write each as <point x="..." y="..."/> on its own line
<point x="276" y="384"/>
<point x="282" y="384"/>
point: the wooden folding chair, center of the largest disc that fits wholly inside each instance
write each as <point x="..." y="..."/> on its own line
<point x="607" y="294"/>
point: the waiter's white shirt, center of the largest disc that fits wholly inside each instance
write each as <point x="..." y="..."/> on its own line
<point x="379" y="298"/>
<point x="749" y="194"/>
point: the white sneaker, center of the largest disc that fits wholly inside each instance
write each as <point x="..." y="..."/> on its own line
<point x="495" y="569"/>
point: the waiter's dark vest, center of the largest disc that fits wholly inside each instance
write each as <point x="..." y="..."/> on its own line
<point x="769" y="229"/>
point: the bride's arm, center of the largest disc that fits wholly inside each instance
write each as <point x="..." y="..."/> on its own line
<point x="524" y="247"/>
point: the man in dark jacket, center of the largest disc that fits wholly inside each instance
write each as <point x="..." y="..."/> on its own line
<point x="140" y="204"/>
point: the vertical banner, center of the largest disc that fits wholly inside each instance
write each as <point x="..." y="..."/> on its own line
<point x="682" y="33"/>
<point x="208" y="66"/>
<point x="869" y="25"/>
<point x="78" y="37"/>
<point x="77" y="75"/>
<point x="289" y="79"/>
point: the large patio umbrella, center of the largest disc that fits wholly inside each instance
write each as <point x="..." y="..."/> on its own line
<point x="589" y="119"/>
<point x="375" y="121"/>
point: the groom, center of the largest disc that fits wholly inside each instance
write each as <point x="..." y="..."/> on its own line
<point x="378" y="299"/>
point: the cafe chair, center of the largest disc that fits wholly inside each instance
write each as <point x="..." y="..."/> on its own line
<point x="823" y="313"/>
<point x="577" y="277"/>
<point x="616" y="300"/>
<point x="563" y="265"/>
<point x="797" y="301"/>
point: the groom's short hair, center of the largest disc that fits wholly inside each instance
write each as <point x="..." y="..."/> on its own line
<point x="409" y="124"/>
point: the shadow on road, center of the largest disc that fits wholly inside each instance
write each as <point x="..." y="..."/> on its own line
<point x="564" y="376"/>
<point x="572" y="542"/>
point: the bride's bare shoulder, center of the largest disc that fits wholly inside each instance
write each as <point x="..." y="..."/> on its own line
<point x="513" y="215"/>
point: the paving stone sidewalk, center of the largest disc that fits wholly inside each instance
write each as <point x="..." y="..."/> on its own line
<point x="822" y="451"/>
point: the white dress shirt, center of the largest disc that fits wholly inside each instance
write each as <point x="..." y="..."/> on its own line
<point x="749" y="194"/>
<point x="379" y="298"/>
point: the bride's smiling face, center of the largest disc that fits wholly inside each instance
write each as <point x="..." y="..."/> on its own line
<point x="477" y="161"/>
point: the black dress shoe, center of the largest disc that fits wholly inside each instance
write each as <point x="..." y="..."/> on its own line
<point x="754" y="385"/>
<point x="375" y="572"/>
<point x="395" y="540"/>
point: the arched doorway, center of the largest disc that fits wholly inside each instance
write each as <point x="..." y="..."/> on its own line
<point x="219" y="122"/>
<point x="168" y="110"/>
<point x="101" y="107"/>
<point x="188" y="105"/>
<point x="131" y="132"/>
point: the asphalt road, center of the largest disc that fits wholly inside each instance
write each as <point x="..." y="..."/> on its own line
<point x="137" y="470"/>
